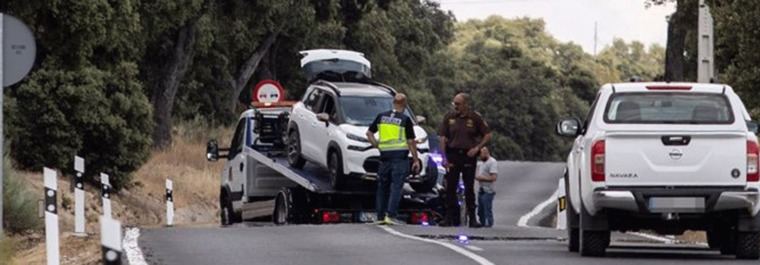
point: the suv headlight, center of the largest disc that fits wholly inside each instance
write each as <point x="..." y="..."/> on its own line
<point x="356" y="138"/>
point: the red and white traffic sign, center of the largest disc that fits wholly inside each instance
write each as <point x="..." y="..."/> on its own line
<point x="268" y="91"/>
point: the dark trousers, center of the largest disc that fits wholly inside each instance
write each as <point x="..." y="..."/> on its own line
<point x="390" y="184"/>
<point x="460" y="164"/>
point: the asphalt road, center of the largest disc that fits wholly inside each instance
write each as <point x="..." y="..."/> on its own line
<point x="521" y="186"/>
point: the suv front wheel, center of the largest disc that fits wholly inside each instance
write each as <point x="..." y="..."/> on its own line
<point x="295" y="159"/>
<point x="335" y="169"/>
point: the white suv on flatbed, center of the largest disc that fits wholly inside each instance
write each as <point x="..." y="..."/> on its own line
<point x="665" y="157"/>
<point x="328" y="125"/>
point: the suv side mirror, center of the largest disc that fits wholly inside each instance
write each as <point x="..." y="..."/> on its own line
<point x="324" y="117"/>
<point x="752" y="126"/>
<point x="212" y="151"/>
<point x="569" y="127"/>
<point x="421" y="119"/>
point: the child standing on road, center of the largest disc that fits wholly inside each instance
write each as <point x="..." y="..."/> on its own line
<point x="486" y="175"/>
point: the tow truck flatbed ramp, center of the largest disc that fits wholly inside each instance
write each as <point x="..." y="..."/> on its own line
<point x="311" y="178"/>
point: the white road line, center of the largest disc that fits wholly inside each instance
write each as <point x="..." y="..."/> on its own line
<point x="664" y="239"/>
<point x="523" y="222"/>
<point x="131" y="249"/>
<point x="474" y="248"/>
<point x="653" y="237"/>
<point x="480" y="260"/>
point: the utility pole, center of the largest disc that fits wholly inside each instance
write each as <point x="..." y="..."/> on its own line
<point x="596" y="36"/>
<point x="705" y="55"/>
<point x="2" y="88"/>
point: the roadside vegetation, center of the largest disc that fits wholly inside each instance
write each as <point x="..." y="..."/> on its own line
<point x="6" y="250"/>
<point x="139" y="86"/>
<point x="19" y="204"/>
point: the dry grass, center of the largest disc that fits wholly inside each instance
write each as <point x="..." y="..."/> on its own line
<point x="6" y="250"/>
<point x="196" y="194"/>
<point x="196" y="181"/>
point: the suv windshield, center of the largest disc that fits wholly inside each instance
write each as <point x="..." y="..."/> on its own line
<point x="668" y="108"/>
<point x="361" y="111"/>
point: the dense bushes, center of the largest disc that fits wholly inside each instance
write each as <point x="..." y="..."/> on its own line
<point x="19" y="206"/>
<point x="101" y="115"/>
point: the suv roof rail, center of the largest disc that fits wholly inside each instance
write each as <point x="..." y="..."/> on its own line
<point x="388" y="88"/>
<point x="328" y="84"/>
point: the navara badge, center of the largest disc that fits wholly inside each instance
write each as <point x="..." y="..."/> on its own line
<point x="675" y="154"/>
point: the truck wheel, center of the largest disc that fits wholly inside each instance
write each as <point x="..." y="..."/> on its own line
<point x="295" y="159"/>
<point x="431" y="177"/>
<point x="573" y="239"/>
<point x="592" y="243"/>
<point x="713" y="239"/>
<point x="728" y="241"/>
<point x="748" y="245"/>
<point x="281" y="215"/>
<point x="573" y="233"/>
<point x="335" y="168"/>
<point x="227" y="214"/>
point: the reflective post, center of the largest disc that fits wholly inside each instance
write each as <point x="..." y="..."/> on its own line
<point x="51" y="216"/>
<point x="79" y="220"/>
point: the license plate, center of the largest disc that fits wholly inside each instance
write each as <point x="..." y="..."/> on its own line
<point x="677" y="204"/>
<point x="367" y="217"/>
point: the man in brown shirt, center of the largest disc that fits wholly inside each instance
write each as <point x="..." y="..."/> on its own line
<point x="462" y="134"/>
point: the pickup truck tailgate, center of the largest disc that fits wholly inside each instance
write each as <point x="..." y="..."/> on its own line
<point x="675" y="159"/>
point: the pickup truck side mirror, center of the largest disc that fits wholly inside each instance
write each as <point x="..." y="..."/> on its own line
<point x="752" y="126"/>
<point x="212" y="151"/>
<point x="420" y="119"/>
<point x="324" y="117"/>
<point x="569" y="127"/>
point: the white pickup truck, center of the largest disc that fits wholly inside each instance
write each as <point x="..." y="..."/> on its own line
<point x="664" y="157"/>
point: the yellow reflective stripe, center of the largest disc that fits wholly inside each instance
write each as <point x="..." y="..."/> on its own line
<point x="389" y="132"/>
<point x="392" y="137"/>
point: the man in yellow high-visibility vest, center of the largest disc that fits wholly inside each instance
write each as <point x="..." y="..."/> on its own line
<point x="396" y="133"/>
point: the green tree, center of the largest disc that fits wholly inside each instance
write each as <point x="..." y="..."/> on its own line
<point x="85" y="96"/>
<point x="100" y="115"/>
<point x="522" y="81"/>
<point x="624" y="61"/>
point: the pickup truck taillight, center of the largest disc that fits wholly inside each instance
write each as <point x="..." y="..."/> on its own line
<point x="597" y="161"/>
<point x="752" y="161"/>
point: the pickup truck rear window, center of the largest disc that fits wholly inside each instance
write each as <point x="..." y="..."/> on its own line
<point x="668" y="108"/>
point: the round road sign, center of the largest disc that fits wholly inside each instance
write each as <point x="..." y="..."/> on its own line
<point x="19" y="49"/>
<point x="268" y="91"/>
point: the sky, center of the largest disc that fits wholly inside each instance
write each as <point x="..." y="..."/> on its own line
<point x="573" y="20"/>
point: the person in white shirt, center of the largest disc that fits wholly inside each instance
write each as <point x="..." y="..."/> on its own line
<point x="488" y="170"/>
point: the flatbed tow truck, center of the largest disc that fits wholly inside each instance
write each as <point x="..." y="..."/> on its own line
<point x="257" y="182"/>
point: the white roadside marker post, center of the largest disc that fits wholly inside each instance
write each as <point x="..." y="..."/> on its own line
<point x="51" y="216"/>
<point x="105" y="194"/>
<point x="169" y="203"/>
<point x="79" y="220"/>
<point x="110" y="240"/>
<point x="561" y="206"/>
